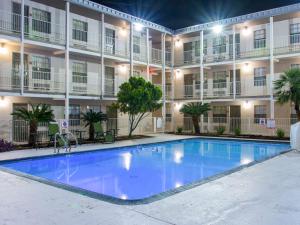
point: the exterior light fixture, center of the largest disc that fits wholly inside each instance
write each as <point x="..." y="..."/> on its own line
<point x="217" y="29"/>
<point x="247" y="104"/>
<point x="122" y="68"/>
<point x="246" y="31"/>
<point x="123" y="31"/>
<point x="178" y="43"/>
<point x="246" y="68"/>
<point x="3" y="102"/>
<point x="3" y="49"/>
<point x="138" y="26"/>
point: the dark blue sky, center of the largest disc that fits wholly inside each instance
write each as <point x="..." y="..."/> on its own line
<point x="181" y="13"/>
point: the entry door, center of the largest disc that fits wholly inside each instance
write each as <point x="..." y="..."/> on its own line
<point x="109" y="81"/>
<point x="188" y="85"/>
<point x="112" y="123"/>
<point x="20" y="128"/>
<point x="110" y="43"/>
<point x="238" y="82"/>
<point x="15" y="79"/>
<point x="235" y="117"/>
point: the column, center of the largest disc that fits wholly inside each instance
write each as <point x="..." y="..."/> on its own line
<point x="173" y="84"/>
<point x="102" y="55"/>
<point x="272" y="110"/>
<point x="131" y="49"/>
<point x="22" y="48"/>
<point x="148" y="54"/>
<point x="234" y="64"/>
<point x="201" y="66"/>
<point x="67" y="60"/>
<point x="163" y="75"/>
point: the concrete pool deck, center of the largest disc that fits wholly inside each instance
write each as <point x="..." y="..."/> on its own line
<point x="266" y="193"/>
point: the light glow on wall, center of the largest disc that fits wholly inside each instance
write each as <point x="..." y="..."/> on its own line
<point x="123" y="32"/>
<point x="3" y="102"/>
<point x="178" y="74"/>
<point x="246" y="68"/>
<point x="3" y="49"/>
<point x="247" y="104"/>
<point x="138" y="26"/>
<point x="217" y="29"/>
<point x="178" y="105"/>
<point x="178" y="43"/>
<point x="123" y="68"/>
<point x="246" y="31"/>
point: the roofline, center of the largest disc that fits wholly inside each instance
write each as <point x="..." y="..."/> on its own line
<point x="241" y="19"/>
<point x="204" y="26"/>
<point x="109" y="11"/>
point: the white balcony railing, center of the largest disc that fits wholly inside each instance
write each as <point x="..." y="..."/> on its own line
<point x="116" y="47"/>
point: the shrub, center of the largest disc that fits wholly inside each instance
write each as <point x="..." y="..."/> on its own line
<point x="179" y="130"/>
<point x="5" y="146"/>
<point x="220" y="130"/>
<point x="280" y="133"/>
<point x="237" y="131"/>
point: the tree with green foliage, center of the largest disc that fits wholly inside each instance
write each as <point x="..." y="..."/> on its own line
<point x="39" y="113"/>
<point x="91" y="117"/>
<point x="195" y="110"/>
<point x="287" y="89"/>
<point x="138" y="98"/>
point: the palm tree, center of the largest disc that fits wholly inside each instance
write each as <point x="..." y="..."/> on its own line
<point x="287" y="89"/>
<point x="195" y="110"/>
<point x="91" y="117"/>
<point x="38" y="113"/>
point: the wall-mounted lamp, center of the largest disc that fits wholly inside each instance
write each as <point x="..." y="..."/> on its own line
<point x="246" y="31"/>
<point x="3" y="49"/>
<point x="178" y="43"/>
<point x="246" y="68"/>
<point x="247" y="104"/>
<point x="123" y="32"/>
<point x="178" y="105"/>
<point x="3" y="101"/>
<point x="122" y="68"/>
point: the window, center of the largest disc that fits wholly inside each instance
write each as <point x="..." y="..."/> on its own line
<point x="79" y="30"/>
<point x="205" y="46"/>
<point x="219" y="79"/>
<point x="168" y="117"/>
<point x="109" y="81"/>
<point x="16" y="17"/>
<point x="41" y="21"/>
<point x="295" y="66"/>
<point x="188" y="51"/>
<point x="95" y="108"/>
<point x="295" y="33"/>
<point x="260" y="76"/>
<point x="74" y="115"/>
<point x="41" y="68"/>
<point x="260" y="113"/>
<point x="260" y="38"/>
<point x="197" y="48"/>
<point x="137" y="73"/>
<point x="205" y="83"/>
<point x="136" y="44"/>
<point x="237" y="45"/>
<point x="219" y="45"/>
<point x="219" y="114"/>
<point x="79" y="72"/>
<point x="110" y="40"/>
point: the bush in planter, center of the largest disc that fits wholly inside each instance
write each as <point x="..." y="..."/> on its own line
<point x="5" y="146"/>
<point x="179" y="130"/>
<point x="220" y="130"/>
<point x="280" y="133"/>
<point x="237" y="131"/>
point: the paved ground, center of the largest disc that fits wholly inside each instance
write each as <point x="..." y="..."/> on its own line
<point x="266" y="193"/>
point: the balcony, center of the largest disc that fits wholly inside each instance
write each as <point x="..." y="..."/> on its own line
<point x="111" y="88"/>
<point x="34" y="29"/>
<point x="168" y="90"/>
<point x="287" y="44"/>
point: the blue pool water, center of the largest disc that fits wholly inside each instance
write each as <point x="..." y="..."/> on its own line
<point x="139" y="172"/>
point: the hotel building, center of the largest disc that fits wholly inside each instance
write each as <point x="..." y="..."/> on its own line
<point x="74" y="55"/>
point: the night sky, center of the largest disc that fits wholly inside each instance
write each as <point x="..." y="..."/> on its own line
<point x="182" y="13"/>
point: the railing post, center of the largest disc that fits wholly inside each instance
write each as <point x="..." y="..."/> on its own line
<point x="22" y="48"/>
<point x="234" y="64"/>
<point x="272" y="110"/>
<point x="67" y="60"/>
<point x="148" y="53"/>
<point x="102" y="56"/>
<point x="131" y="49"/>
<point x="201" y="66"/>
<point x="163" y="74"/>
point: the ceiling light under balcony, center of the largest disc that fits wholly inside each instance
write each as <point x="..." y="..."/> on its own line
<point x="178" y="43"/>
<point x="217" y="29"/>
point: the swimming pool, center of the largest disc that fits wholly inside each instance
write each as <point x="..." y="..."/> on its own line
<point x="140" y="172"/>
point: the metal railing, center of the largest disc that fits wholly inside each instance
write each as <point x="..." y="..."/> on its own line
<point x="156" y="56"/>
<point x="247" y="125"/>
<point x="116" y="47"/>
